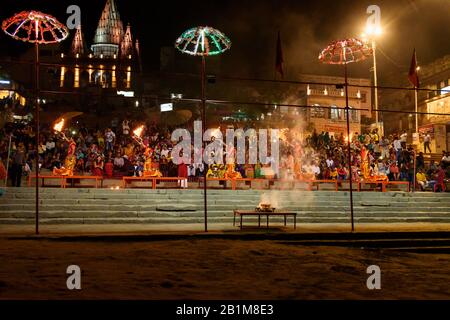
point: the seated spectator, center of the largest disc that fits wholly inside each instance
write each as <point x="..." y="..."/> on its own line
<point x="383" y="169"/>
<point x="432" y="168"/>
<point x="140" y="169"/>
<point x="315" y="170"/>
<point x="342" y="173"/>
<point x="421" y="179"/>
<point x="119" y="162"/>
<point x="445" y="162"/>
<point x="109" y="168"/>
<point x="395" y="174"/>
<point x="98" y="166"/>
<point x="440" y="176"/>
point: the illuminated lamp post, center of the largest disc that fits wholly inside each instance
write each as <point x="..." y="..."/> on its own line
<point x="344" y="52"/>
<point x="370" y="34"/>
<point x="37" y="28"/>
<point x="203" y="42"/>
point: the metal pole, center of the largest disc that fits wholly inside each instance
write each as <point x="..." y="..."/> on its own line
<point x="204" y="144"/>
<point x="416" y="107"/>
<point x="348" y="146"/>
<point x="414" y="163"/>
<point x="375" y="80"/>
<point x="7" y="160"/>
<point x="37" y="138"/>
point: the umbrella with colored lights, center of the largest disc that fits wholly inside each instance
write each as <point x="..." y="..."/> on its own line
<point x="344" y="52"/>
<point x="38" y="28"/>
<point x="203" y="41"/>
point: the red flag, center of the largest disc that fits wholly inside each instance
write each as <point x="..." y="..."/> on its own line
<point x="413" y="76"/>
<point x="279" y="58"/>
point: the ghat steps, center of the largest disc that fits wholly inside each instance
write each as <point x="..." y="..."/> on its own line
<point x="161" y="206"/>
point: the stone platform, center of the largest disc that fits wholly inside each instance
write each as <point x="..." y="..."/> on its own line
<point x="172" y="206"/>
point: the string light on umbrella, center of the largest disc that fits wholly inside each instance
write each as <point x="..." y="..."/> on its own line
<point x="343" y="52"/>
<point x="37" y="28"/>
<point x="203" y="41"/>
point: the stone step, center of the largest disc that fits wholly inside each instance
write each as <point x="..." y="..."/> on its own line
<point x="212" y="213"/>
<point x="198" y="207"/>
<point x="238" y="197"/>
<point x="69" y="193"/>
<point x="210" y="191"/>
<point x="211" y="220"/>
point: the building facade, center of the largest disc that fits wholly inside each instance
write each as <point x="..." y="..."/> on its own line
<point x="436" y="102"/>
<point x="333" y="118"/>
<point x="110" y="62"/>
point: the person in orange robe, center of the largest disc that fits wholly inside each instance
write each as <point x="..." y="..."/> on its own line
<point x="69" y="162"/>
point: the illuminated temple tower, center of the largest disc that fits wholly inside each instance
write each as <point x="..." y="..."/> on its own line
<point x="109" y="33"/>
<point x="112" y="60"/>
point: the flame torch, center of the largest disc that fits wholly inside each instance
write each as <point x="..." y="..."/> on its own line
<point x="59" y="126"/>
<point x="137" y="133"/>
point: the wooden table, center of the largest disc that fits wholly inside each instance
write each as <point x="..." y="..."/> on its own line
<point x="72" y="178"/>
<point x="43" y="177"/>
<point x="242" y="213"/>
<point x="387" y="183"/>
<point x="127" y="179"/>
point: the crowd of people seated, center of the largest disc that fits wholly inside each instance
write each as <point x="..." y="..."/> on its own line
<point x="373" y="158"/>
<point x="113" y="153"/>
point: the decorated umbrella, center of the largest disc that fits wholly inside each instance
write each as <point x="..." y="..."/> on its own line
<point x="38" y="28"/>
<point x="344" y="52"/>
<point x="203" y="42"/>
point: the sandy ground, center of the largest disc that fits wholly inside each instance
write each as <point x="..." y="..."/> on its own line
<point x="213" y="268"/>
<point x="65" y="229"/>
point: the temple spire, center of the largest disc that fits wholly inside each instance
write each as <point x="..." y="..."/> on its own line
<point x="138" y="53"/>
<point x="78" y="44"/>
<point x="108" y="35"/>
<point x="126" y="47"/>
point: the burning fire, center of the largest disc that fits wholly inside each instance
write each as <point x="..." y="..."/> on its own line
<point x="138" y="131"/>
<point x="59" y="126"/>
<point x="265" y="207"/>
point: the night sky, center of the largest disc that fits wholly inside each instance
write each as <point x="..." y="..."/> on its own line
<point x="306" y="28"/>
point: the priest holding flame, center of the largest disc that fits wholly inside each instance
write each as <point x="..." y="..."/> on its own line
<point x="70" y="161"/>
<point x="149" y="171"/>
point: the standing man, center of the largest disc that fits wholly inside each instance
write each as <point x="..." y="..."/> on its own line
<point x="18" y="161"/>
<point x="384" y="146"/>
<point x="426" y="143"/>
<point x="109" y="139"/>
<point x="404" y="139"/>
<point x="398" y="148"/>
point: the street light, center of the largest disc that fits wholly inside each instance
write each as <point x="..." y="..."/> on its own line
<point x="370" y="34"/>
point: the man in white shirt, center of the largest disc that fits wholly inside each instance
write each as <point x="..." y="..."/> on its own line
<point x="404" y="138"/>
<point x="397" y="147"/>
<point x="315" y="169"/>
<point x="426" y="143"/>
<point x="446" y="160"/>
<point x="330" y="163"/>
<point x="165" y="151"/>
<point x="109" y="139"/>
